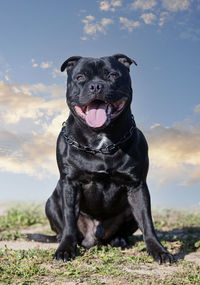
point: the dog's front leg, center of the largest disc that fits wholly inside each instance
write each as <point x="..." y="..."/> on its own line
<point x="139" y="200"/>
<point x="70" y="210"/>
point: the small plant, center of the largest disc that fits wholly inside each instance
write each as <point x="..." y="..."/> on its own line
<point x="17" y="218"/>
<point x="178" y="232"/>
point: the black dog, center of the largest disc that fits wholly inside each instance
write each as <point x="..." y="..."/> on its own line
<point x="101" y="196"/>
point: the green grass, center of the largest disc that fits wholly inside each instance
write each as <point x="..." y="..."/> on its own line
<point x="179" y="232"/>
<point x="171" y="219"/>
<point x="17" y="218"/>
<point x="22" y="266"/>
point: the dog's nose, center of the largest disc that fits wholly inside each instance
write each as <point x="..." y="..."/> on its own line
<point x="96" y="87"/>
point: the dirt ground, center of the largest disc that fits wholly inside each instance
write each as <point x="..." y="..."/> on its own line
<point x="26" y="245"/>
<point x="150" y="269"/>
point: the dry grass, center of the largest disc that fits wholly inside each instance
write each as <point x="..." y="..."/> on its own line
<point x="26" y="262"/>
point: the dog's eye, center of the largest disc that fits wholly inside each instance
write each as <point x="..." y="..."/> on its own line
<point x="113" y="75"/>
<point x="80" y="77"/>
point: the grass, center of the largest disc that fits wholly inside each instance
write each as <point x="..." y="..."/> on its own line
<point x="170" y="219"/>
<point x="179" y="232"/>
<point x="19" y="218"/>
<point x="22" y="216"/>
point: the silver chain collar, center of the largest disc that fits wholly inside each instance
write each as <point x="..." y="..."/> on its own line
<point x="109" y="149"/>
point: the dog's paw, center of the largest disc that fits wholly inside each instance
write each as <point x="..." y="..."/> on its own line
<point x="159" y="253"/>
<point x="118" y="242"/>
<point x="66" y="251"/>
<point x="64" y="254"/>
<point x="162" y="256"/>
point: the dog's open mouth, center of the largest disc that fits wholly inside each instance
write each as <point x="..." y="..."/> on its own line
<point x="98" y="113"/>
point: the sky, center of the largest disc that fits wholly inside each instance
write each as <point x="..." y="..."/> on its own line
<point x="162" y="36"/>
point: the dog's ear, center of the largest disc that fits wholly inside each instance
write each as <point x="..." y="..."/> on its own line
<point x="69" y="63"/>
<point x="125" y="60"/>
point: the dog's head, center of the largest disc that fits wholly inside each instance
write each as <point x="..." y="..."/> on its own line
<point x="98" y="90"/>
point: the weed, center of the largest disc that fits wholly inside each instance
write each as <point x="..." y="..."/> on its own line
<point x="21" y="217"/>
<point x="179" y="232"/>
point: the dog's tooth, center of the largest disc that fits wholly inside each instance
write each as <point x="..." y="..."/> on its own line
<point x="109" y="109"/>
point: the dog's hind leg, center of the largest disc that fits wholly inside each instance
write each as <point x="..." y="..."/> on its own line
<point x="54" y="213"/>
<point x="125" y="231"/>
<point x="119" y="228"/>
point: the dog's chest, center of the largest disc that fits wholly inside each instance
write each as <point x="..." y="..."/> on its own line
<point x="102" y="194"/>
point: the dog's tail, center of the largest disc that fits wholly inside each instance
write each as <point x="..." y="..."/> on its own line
<point x="42" y="238"/>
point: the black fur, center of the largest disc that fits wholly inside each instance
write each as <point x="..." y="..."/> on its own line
<point x="101" y="197"/>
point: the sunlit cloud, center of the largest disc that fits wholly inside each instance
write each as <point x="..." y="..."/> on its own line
<point x="164" y="16"/>
<point x="148" y="18"/>
<point x="7" y="78"/>
<point x="143" y="4"/>
<point x="43" y="64"/>
<point x="110" y="5"/>
<point x="29" y="127"/>
<point x="152" y="12"/>
<point x="92" y="27"/>
<point x="30" y="124"/>
<point x="130" y="25"/>
<point x="176" y="5"/>
<point x="56" y="72"/>
<point x="31" y="117"/>
<point x="17" y="102"/>
<point x="29" y="154"/>
<point x="34" y="64"/>
<point x="84" y="38"/>
<point x="46" y="64"/>
<point x="175" y="153"/>
<point x="197" y="109"/>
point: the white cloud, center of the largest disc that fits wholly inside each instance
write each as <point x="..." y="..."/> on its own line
<point x="176" y="5"/>
<point x="110" y="5"/>
<point x="56" y="72"/>
<point x="53" y="90"/>
<point x="129" y="24"/>
<point x="84" y="38"/>
<point x="89" y="18"/>
<point x="17" y="101"/>
<point x="106" y="21"/>
<point x="91" y="27"/>
<point x="46" y="64"/>
<point x="34" y="64"/>
<point x="29" y="128"/>
<point x="7" y="78"/>
<point x="43" y="64"/>
<point x="148" y="18"/>
<point x="29" y="154"/>
<point x="31" y="118"/>
<point x="116" y="3"/>
<point x="175" y="153"/>
<point x="197" y="109"/>
<point x="164" y="16"/>
<point x="144" y="4"/>
<point x="105" y="6"/>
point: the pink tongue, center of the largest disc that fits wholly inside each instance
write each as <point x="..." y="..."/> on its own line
<point x="96" y="116"/>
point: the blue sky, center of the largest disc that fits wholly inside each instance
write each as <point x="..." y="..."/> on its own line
<point x="163" y="36"/>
